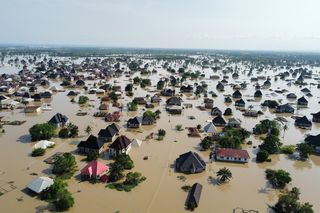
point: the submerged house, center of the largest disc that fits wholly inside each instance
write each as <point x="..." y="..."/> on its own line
<point x="316" y="117"/>
<point x="59" y="120"/>
<point x="220" y="86"/>
<point x="194" y="196"/>
<point x="232" y="155"/>
<point x="109" y="132"/>
<point x="94" y="170"/>
<point x="219" y="121"/>
<point x="91" y="145"/>
<point x="168" y="92"/>
<point x="292" y="96"/>
<point x="258" y="94"/>
<point x="174" y="101"/>
<point x="216" y="111"/>
<point x="39" y="184"/>
<point x="190" y="162"/>
<point x="302" y="101"/>
<point x="303" y="122"/>
<point x="314" y="142"/>
<point x="235" y="123"/>
<point x="210" y="128"/>
<point x="148" y="120"/>
<point x="32" y="109"/>
<point x="121" y="145"/>
<point x="174" y="109"/>
<point x="134" y="122"/>
<point x="285" y="108"/>
<point x="240" y="103"/>
<point x="237" y="94"/>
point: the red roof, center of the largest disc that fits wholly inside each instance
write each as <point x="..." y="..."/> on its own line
<point x="235" y="153"/>
<point x="94" y="168"/>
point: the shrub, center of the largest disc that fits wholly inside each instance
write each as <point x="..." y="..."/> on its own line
<point x="38" y="152"/>
<point x="64" y="133"/>
<point x="161" y="132"/>
<point x="83" y="99"/>
<point x="179" y="127"/>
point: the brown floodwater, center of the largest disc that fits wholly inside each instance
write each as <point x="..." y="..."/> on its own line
<point x="161" y="192"/>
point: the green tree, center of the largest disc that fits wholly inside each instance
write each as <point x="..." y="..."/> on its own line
<point x="304" y="150"/>
<point x="54" y="191"/>
<point x="262" y="156"/>
<point x="224" y="174"/>
<point x="132" y="106"/>
<point x="83" y="99"/>
<point x="129" y="88"/>
<point x="271" y="144"/>
<point x="64" y="202"/>
<point x="125" y="161"/>
<point x="161" y="132"/>
<point x="65" y="165"/>
<point x="206" y="143"/>
<point x="278" y="178"/>
<point x="289" y="202"/>
<point x="116" y="172"/>
<point x="160" y="85"/>
<point x="73" y="130"/>
<point x="64" y="133"/>
<point x="43" y="131"/>
<point x="88" y="130"/>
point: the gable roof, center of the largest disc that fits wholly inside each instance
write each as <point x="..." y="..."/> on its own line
<point x="94" y="168"/>
<point x="92" y="142"/>
<point x="218" y="120"/>
<point x="235" y="153"/>
<point x="194" y="194"/>
<point x="122" y="142"/>
<point x="190" y="158"/>
<point x="58" y="118"/>
<point x="39" y="184"/>
<point x="313" y="140"/>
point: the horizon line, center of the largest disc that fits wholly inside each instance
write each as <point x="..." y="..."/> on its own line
<point x="39" y="45"/>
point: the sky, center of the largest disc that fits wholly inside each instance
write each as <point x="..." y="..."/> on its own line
<point x="199" y="24"/>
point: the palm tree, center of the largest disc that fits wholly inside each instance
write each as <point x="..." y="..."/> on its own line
<point x="224" y="174"/>
<point x="285" y="128"/>
<point x="88" y="130"/>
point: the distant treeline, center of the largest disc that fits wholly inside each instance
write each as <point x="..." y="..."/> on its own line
<point x="256" y="57"/>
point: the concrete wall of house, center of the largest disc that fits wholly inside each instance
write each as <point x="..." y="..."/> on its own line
<point x="232" y="159"/>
